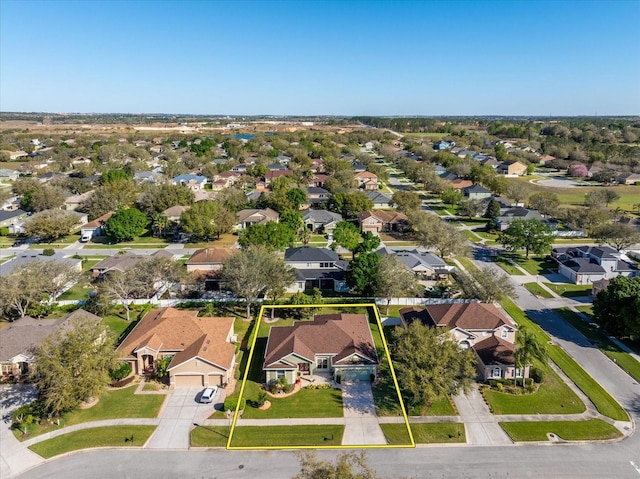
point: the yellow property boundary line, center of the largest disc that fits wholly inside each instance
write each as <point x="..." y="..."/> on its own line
<point x="388" y="356"/>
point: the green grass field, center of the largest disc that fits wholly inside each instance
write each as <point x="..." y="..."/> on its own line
<point x="537" y="290"/>
<point x="304" y="403"/>
<point x="108" y="436"/>
<point x="283" y="436"/>
<point x="424" y="433"/>
<point x="508" y="267"/>
<point x="590" y="430"/>
<point x="569" y="290"/>
<point x="113" y="404"/>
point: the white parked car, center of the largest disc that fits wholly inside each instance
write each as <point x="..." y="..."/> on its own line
<point x="207" y="394"/>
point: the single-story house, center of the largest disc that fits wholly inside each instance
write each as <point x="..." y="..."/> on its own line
<point x="340" y="345"/>
<point x="10" y="217"/>
<point x="377" y="221"/>
<point x="443" y="145"/>
<point x="424" y="264"/>
<point x="122" y="262"/>
<point x="193" y="182"/>
<point x="8" y="175"/>
<point x="96" y="227"/>
<point x="321" y="221"/>
<point x="173" y="213"/>
<point x="504" y="220"/>
<point x="29" y="255"/>
<point x="19" y="340"/>
<point x="479" y="326"/>
<point x="319" y="268"/>
<point x="379" y="200"/>
<point x="250" y="217"/>
<point x="629" y="179"/>
<point x="201" y="348"/>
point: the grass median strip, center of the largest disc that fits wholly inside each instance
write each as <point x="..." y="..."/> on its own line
<point x="108" y="436"/>
<point x="287" y="436"/>
<point x="537" y="290"/>
<point x="590" y="430"/>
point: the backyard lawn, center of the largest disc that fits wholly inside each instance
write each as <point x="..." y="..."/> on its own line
<point x="590" y="430"/>
<point x="108" y="436"/>
<point x="113" y="404"/>
<point x="283" y="436"/>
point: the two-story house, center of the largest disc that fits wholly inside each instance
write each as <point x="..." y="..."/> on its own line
<point x="367" y="180"/>
<point x="424" y="264"/>
<point x="316" y="268"/>
<point x="193" y="182"/>
<point x="588" y="264"/>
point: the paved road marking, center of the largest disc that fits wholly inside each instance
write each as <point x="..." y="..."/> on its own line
<point x="635" y="467"/>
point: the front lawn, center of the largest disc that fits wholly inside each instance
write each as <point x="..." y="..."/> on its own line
<point x="108" y="436"/>
<point x="533" y="265"/>
<point x="569" y="290"/>
<point x="552" y="397"/>
<point x="506" y="265"/>
<point x="590" y="430"/>
<point x="113" y="404"/>
<point x="304" y="403"/>
<point x="287" y="436"/>
<point x="537" y="290"/>
<point x="210" y="436"/>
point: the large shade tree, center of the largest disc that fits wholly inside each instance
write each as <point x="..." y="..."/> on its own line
<point x="530" y="235"/>
<point x="616" y="307"/>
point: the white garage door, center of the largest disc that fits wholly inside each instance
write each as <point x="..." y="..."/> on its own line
<point x="188" y="380"/>
<point x="215" y="380"/>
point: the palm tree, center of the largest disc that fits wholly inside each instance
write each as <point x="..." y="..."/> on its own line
<point x="160" y="223"/>
<point x="528" y="348"/>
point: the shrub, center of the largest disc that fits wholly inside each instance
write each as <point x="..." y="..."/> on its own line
<point x="48" y="252"/>
<point x="338" y="378"/>
<point x="121" y="371"/>
<point x="537" y="375"/>
<point x="231" y="403"/>
<point x="161" y="366"/>
<point x="4" y="230"/>
<point x="262" y="398"/>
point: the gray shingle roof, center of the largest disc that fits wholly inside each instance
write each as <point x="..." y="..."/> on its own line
<point x="310" y="254"/>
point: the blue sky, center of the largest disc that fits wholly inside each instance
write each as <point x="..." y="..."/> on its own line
<point x="312" y="57"/>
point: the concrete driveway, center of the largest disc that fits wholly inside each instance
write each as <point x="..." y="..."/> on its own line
<point x="481" y="427"/>
<point x="14" y="456"/>
<point x="361" y="423"/>
<point x="177" y="417"/>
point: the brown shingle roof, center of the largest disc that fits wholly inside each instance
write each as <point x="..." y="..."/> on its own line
<point x="184" y="332"/>
<point x="468" y="316"/>
<point x="340" y="335"/>
<point x="211" y="256"/>
<point x="415" y="313"/>
<point x="387" y="217"/>
<point x="99" y="221"/>
<point x="495" y="350"/>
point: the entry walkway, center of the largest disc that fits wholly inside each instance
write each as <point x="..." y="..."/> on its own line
<point x="361" y="423"/>
<point x="481" y="427"/>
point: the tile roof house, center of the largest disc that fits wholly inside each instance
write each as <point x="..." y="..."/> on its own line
<point x="427" y="265"/>
<point x="479" y="326"/>
<point x="321" y="221"/>
<point x="336" y="344"/>
<point x="589" y="264"/>
<point x="250" y="217"/>
<point x="377" y="221"/>
<point x="201" y="348"/>
<point x="367" y="180"/>
<point x="19" y="340"/>
<point x="319" y="268"/>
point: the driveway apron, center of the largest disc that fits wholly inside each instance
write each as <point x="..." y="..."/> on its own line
<point x="361" y="423"/>
<point x="481" y="427"/>
<point x="178" y="417"/>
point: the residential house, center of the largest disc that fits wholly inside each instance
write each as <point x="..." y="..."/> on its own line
<point x="358" y="167"/>
<point x="338" y="345"/>
<point x="96" y="227"/>
<point x="72" y="202"/>
<point x="277" y="167"/>
<point x="8" y="175"/>
<point x="317" y="180"/>
<point x="11" y="217"/>
<point x="201" y="348"/>
<point x="460" y="183"/>
<point x="424" y="264"/>
<point x="250" y="217"/>
<point x="316" y="268"/>
<point x="123" y="262"/>
<point x="174" y="213"/>
<point x="152" y="176"/>
<point x="27" y="256"/>
<point x="443" y="145"/>
<point x="479" y="326"/>
<point x="379" y="200"/>
<point x="511" y="168"/>
<point x="589" y="264"/>
<point x="476" y="192"/>
<point x="193" y="182"/>
<point x="504" y="220"/>
<point x="629" y="179"/>
<point x="377" y="221"/>
<point x="544" y="159"/>
<point x="271" y="175"/>
<point x="316" y="195"/>
<point x="491" y="161"/>
<point x="321" y="221"/>
<point x="20" y="338"/>
<point x="208" y="263"/>
<point x="599" y="285"/>
<point x="367" y="180"/>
